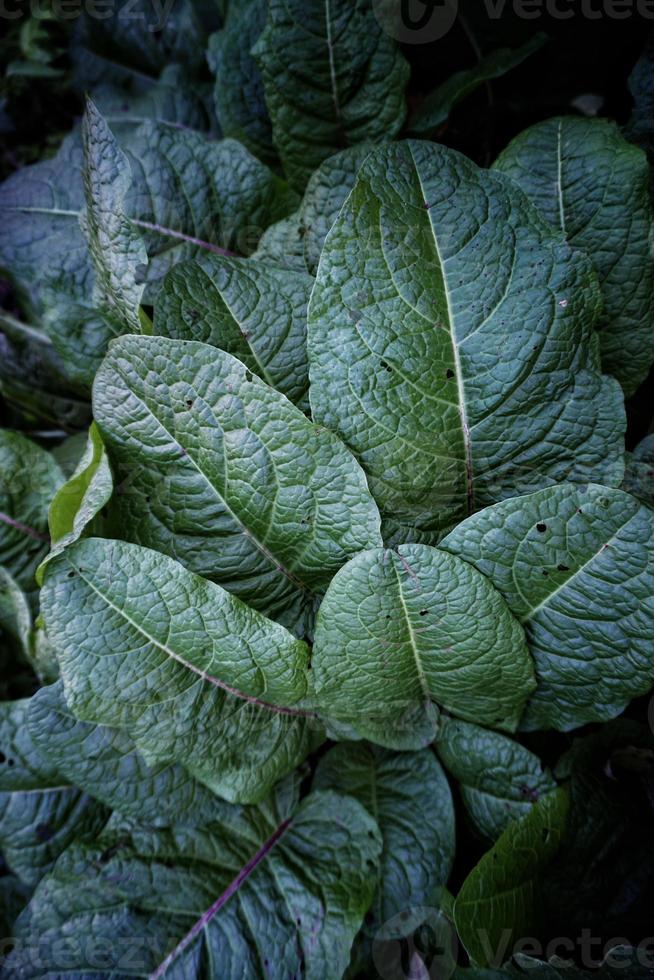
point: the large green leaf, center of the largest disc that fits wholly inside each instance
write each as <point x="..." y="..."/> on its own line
<point x="410" y="799"/>
<point x="500" y="901"/>
<point x="41" y="813"/>
<point x="226" y="475"/>
<point x="639" y="471"/>
<point x="575" y="565"/>
<point x="29" y="479"/>
<point x="332" y="78"/>
<point x="238" y="90"/>
<point x="398" y="629"/>
<point x="254" y="311"/>
<point x="115" y="246"/>
<point x="192" y="674"/>
<point x="104" y="762"/>
<point x="499" y="779"/>
<point x="593" y="187"/>
<point x="273" y="891"/>
<point x="75" y="507"/>
<point x="451" y="342"/>
<point x="174" y="100"/>
<point x="23" y="650"/>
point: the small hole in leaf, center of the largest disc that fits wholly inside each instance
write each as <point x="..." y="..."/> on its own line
<point x="449" y="373"/>
<point x="71" y="575"/>
<point x="563" y="568"/>
<point x="542" y="528"/>
<point x="189" y="403"/>
<point x="11" y="763"/>
<point x="386" y="366"/>
<point x="423" y="612"/>
<point x="545" y="572"/>
<point x="3" y="757"/>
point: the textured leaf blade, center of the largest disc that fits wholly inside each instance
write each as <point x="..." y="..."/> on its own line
<point x="115" y="246"/>
<point x="594" y="187"/>
<point x="404" y="335"/>
<point x="29" y="478"/>
<point x="305" y="874"/>
<point x="417" y="853"/>
<point x="238" y="90"/>
<point x="402" y="628"/>
<point x="639" y="471"/>
<point x="502" y="892"/>
<point x="257" y="313"/>
<point x="499" y="779"/>
<point x="191" y="673"/>
<point x="40" y="812"/>
<point x="104" y="762"/>
<point x="575" y="566"/>
<point x="332" y="78"/>
<point x="272" y="504"/>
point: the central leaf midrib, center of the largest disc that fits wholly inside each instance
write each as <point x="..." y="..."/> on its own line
<point x="463" y="409"/>
<point x="248" y="868"/>
<point x="270" y="557"/>
<point x="414" y="649"/>
<point x="179" y="659"/>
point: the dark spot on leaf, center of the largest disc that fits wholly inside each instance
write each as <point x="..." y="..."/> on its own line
<point x="563" y="568"/>
<point x="3" y="758"/>
<point x="11" y="763"/>
<point x="148" y="499"/>
<point x="71" y="575"/>
<point x="449" y="373"/>
<point x="386" y="366"/>
<point x="182" y="451"/>
<point x="545" y="572"/>
<point x="542" y="528"/>
<point x="189" y="403"/>
<point x="423" y="612"/>
<point x="44" y="832"/>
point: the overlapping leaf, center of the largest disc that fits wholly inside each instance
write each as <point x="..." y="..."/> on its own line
<point x="192" y="674"/>
<point x="225" y="474"/>
<point x="401" y="629"/>
<point x="332" y="78"/>
<point x="254" y="311"/>
<point x="593" y="186"/>
<point x="575" y="566"/>
<point x="451" y="344"/>
<point x="29" y="478"/>
<point x="499" y="779"/>
<point x="274" y="891"/>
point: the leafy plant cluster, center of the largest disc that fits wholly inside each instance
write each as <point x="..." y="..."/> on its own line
<point x="345" y="547"/>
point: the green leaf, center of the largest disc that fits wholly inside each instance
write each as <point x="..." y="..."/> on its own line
<point x="454" y="352"/>
<point x="238" y="91"/>
<point x="418" y="852"/>
<point x="402" y="628"/>
<point x="437" y="106"/>
<point x="272" y="504"/>
<point x="297" y="242"/>
<point x="21" y="642"/>
<point x="69" y="452"/>
<point x="115" y="246"/>
<point x="500" y="901"/>
<point x="29" y="478"/>
<point x="76" y="505"/>
<point x="332" y="78"/>
<point x="104" y="762"/>
<point x="277" y="890"/>
<point x="575" y="566"/>
<point x="639" y="471"/>
<point x="40" y="812"/>
<point x="255" y="312"/>
<point x="192" y="674"/>
<point x="499" y="779"/>
<point x="593" y="187"/>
